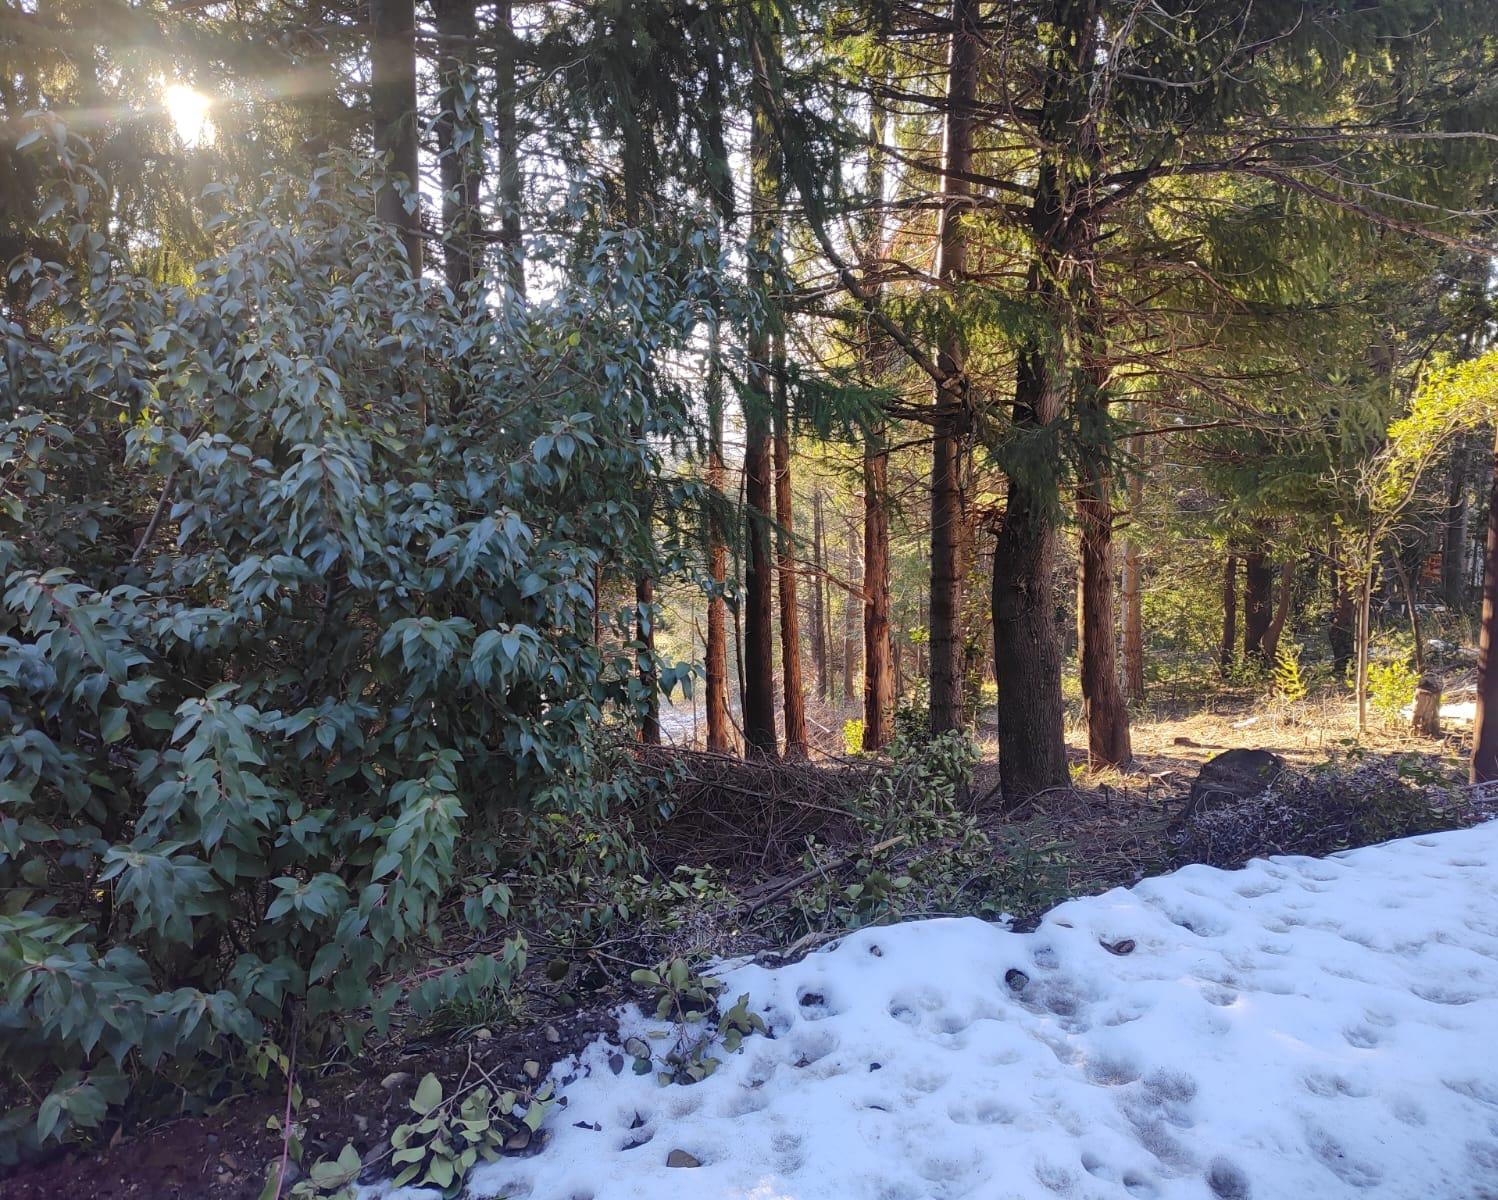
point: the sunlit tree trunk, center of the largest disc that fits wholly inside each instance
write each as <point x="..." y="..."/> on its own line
<point x="819" y="594"/>
<point x="792" y="684"/>
<point x="878" y="674"/>
<point x="719" y="730"/>
<point x="1484" y="767"/>
<point x="392" y="29"/>
<point x="851" y="606"/>
<point x="1133" y="596"/>
<point x="950" y="419"/>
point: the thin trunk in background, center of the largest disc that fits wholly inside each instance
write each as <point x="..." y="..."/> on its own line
<point x="1454" y="531"/>
<point x="719" y="729"/>
<point x="796" y="742"/>
<point x="1270" y="647"/>
<point x="1132" y="588"/>
<point x="1227" y="654"/>
<point x="392" y="85"/>
<point x="650" y="719"/>
<point x="950" y="416"/>
<point x="819" y="595"/>
<point x="1341" y="633"/>
<point x="1484" y="767"/>
<point x="850" y="620"/>
<point x="1258" y="584"/>
<point x="759" y="576"/>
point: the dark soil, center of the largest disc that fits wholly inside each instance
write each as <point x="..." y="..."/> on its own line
<point x="224" y="1156"/>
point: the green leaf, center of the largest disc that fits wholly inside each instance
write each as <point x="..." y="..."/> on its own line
<point x="428" y="1095"/>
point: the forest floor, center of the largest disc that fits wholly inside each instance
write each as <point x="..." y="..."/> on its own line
<point x="1114" y="823"/>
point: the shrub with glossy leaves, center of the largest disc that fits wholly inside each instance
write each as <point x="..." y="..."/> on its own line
<point x="298" y="609"/>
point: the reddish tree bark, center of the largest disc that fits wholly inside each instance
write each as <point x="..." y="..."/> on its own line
<point x="719" y="727"/>
<point x="796" y="743"/>
<point x="1484" y="767"/>
<point x="878" y="671"/>
<point x="1133" y="597"/>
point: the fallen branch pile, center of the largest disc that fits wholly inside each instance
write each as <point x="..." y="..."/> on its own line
<point x="746" y="817"/>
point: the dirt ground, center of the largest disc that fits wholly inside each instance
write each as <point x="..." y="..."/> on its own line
<point x="224" y="1156"/>
<point x="1119" y="817"/>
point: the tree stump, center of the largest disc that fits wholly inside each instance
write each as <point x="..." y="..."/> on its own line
<point x="1427" y="718"/>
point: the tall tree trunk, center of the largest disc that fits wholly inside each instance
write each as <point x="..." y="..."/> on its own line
<point x="1485" y="724"/>
<point x="1270" y="647"/>
<point x="507" y="146"/>
<point x="1454" y="531"/>
<point x="459" y="142"/>
<point x="719" y="730"/>
<point x="392" y="77"/>
<point x="796" y="743"/>
<point x="1228" y="651"/>
<point x="850" y="620"/>
<point x="1103" y="707"/>
<point x="1258" y="584"/>
<point x="1133" y="598"/>
<point x="950" y="416"/>
<point x="759" y="577"/>
<point x="1027" y="653"/>
<point x="819" y="594"/>
<point x="878" y="676"/>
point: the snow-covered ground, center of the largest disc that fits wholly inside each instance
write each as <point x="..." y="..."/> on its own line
<point x="1300" y="1028"/>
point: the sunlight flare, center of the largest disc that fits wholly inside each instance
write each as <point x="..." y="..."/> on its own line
<point x="188" y="109"/>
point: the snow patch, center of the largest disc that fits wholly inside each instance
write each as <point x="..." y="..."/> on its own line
<point x="1299" y="1027"/>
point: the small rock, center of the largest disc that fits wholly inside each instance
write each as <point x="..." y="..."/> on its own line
<point x="551" y="1034"/>
<point x="518" y="1140"/>
<point x="394" y="1080"/>
<point x="616" y="1063"/>
<point x="876" y="1066"/>
<point x="482" y="1035"/>
<point x="1126" y="946"/>
<point x="876" y="952"/>
<point x="680" y="1158"/>
<point x="1016" y="979"/>
<point x="532" y="1069"/>
<point x="362" y="1122"/>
